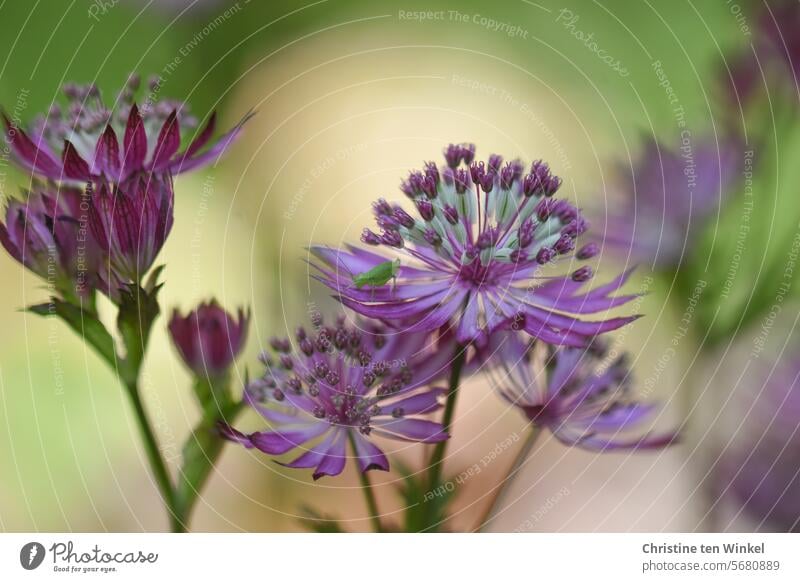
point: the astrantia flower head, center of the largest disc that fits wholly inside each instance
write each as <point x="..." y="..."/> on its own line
<point x="573" y="393"/>
<point x="130" y="222"/>
<point x="91" y="138"/>
<point x="668" y="196"/>
<point x="475" y="254"/>
<point x="209" y="338"/>
<point x="48" y="233"/>
<point x="345" y="383"/>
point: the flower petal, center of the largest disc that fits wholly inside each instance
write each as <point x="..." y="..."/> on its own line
<point x="335" y="457"/>
<point x="410" y="429"/>
<point x="134" y="142"/>
<point x="368" y="455"/>
<point x="169" y="140"/>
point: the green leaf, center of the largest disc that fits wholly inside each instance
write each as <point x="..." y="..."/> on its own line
<point x="84" y="323"/>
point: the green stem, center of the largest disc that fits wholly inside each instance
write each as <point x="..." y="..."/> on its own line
<point x="200" y="454"/>
<point x="369" y="493"/>
<point x="435" y="465"/>
<point x="501" y="491"/>
<point x="157" y="465"/>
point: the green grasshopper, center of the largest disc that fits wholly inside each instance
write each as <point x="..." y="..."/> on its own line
<point x="378" y="275"/>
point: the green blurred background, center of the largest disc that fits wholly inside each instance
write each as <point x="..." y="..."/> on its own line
<point x="349" y="95"/>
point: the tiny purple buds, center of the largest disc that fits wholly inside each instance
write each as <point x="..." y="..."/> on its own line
<point x="575" y="227"/>
<point x="425" y="209"/>
<point x="544" y="209"/>
<point x="370" y="238"/>
<point x="462" y="180"/>
<point x="392" y="239"/>
<point x="381" y="208"/>
<point x="403" y="217"/>
<point x="525" y="233"/>
<point x="432" y="237"/>
<point x="209" y="339"/>
<point x="564" y="245"/>
<point x="545" y="255"/>
<point x="588" y="251"/>
<point x="495" y="161"/>
<point x="451" y="214"/>
<point x="583" y="274"/>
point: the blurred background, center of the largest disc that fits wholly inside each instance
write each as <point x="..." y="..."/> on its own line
<point x="349" y="96"/>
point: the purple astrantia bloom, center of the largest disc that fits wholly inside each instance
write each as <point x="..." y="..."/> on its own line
<point x="760" y="467"/>
<point x="130" y="222"/>
<point x="668" y="197"/>
<point x="474" y="254"/>
<point x="346" y="383"/>
<point x="209" y="338"/>
<point x="571" y="392"/>
<point x="48" y="233"/>
<point x="90" y="140"/>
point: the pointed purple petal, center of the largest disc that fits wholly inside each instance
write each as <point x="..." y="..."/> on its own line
<point x="369" y="456"/>
<point x="410" y="429"/>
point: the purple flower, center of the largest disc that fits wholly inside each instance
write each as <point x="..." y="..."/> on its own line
<point x="582" y="400"/>
<point x="778" y="24"/>
<point x="772" y="60"/>
<point x="346" y="383"/>
<point x="130" y="222"/>
<point x="760" y="467"/>
<point x="668" y="195"/>
<point x="209" y="338"/>
<point x="49" y="234"/>
<point x="475" y="256"/>
<point x="82" y="141"/>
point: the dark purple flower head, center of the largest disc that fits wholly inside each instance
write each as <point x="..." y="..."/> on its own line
<point x="667" y="197"/>
<point x="89" y="139"/>
<point x="778" y="24"/>
<point x="130" y="222"/>
<point x="573" y="393"/>
<point x="48" y="232"/>
<point x="474" y="256"/>
<point x="209" y="338"/>
<point x="346" y="383"/>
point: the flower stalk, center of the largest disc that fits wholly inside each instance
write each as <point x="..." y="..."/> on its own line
<point x="369" y="493"/>
<point x="501" y="491"/>
<point x="435" y="465"/>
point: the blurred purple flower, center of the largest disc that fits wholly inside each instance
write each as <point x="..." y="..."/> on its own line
<point x="346" y="383"/>
<point x="83" y="143"/>
<point x="130" y="222"/>
<point x="761" y="467"/>
<point x="48" y="232"/>
<point x="571" y="392"/>
<point x="668" y="196"/>
<point x="775" y="50"/>
<point x="482" y="235"/>
<point x="209" y="338"/>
